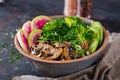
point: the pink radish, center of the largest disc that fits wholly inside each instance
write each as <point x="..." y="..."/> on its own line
<point x="26" y="28"/>
<point x="33" y="37"/>
<point x="22" y="40"/>
<point x="38" y="22"/>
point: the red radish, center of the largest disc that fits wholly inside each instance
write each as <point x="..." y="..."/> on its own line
<point x="38" y="22"/>
<point x="22" y="40"/>
<point x="33" y="37"/>
<point x="26" y="28"/>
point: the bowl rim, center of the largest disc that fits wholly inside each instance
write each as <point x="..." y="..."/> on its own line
<point x="30" y="56"/>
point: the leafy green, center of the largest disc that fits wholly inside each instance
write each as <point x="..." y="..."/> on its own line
<point x="12" y="50"/>
<point x="98" y="26"/>
<point x="74" y="30"/>
<point x="70" y="35"/>
<point x="74" y="21"/>
<point x="14" y="58"/>
<point x="4" y="44"/>
<point x="15" y="55"/>
<point x="95" y="40"/>
<point x="78" y="36"/>
<point x="55" y="30"/>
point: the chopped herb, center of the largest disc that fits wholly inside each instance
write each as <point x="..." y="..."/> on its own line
<point x="11" y="59"/>
<point x="12" y="51"/>
<point x="4" y="44"/>
<point x="14" y="58"/>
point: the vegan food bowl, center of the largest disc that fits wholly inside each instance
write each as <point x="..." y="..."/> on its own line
<point x="60" y="45"/>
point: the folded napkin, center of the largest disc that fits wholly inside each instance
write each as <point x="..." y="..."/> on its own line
<point x="108" y="68"/>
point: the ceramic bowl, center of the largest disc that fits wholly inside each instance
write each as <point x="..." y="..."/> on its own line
<point x="61" y="68"/>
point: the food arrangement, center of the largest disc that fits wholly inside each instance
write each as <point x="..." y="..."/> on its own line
<point x="60" y="39"/>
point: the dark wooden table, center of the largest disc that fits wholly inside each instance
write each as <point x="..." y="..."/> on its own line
<point x="13" y="13"/>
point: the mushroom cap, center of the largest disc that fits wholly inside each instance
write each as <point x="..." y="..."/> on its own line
<point x="69" y="53"/>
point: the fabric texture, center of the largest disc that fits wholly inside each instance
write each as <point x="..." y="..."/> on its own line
<point x="108" y="68"/>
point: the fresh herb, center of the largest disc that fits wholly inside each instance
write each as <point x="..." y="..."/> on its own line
<point x="12" y="50"/>
<point x="4" y="44"/>
<point x="74" y="21"/>
<point x="55" y="30"/>
<point x="14" y="58"/>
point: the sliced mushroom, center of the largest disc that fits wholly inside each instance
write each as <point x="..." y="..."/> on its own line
<point x="39" y="55"/>
<point x="56" y="44"/>
<point x="47" y="48"/>
<point x="61" y="44"/>
<point x="34" y="50"/>
<point x="56" y="53"/>
<point x="61" y="58"/>
<point x="40" y="45"/>
<point x="44" y="55"/>
<point x="69" y="53"/>
<point x="85" y="45"/>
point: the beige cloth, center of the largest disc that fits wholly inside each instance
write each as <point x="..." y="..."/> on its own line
<point x="108" y="68"/>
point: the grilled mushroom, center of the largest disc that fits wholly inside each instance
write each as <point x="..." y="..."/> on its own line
<point x="56" y="53"/>
<point x="34" y="50"/>
<point x="85" y="45"/>
<point x="47" y="48"/>
<point x="61" y="44"/>
<point x="69" y="53"/>
<point x="40" y="54"/>
<point x="42" y="44"/>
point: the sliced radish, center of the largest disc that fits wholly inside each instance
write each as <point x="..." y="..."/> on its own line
<point x="38" y="22"/>
<point x="33" y="37"/>
<point x="26" y="28"/>
<point x="22" y="40"/>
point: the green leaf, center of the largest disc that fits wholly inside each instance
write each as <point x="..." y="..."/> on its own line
<point x="98" y="27"/>
<point x="4" y="44"/>
<point x="12" y="50"/>
<point x="14" y="58"/>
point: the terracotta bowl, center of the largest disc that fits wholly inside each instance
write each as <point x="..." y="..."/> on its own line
<point x="60" y="68"/>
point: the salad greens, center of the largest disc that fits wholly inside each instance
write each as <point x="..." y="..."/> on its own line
<point x="55" y="30"/>
<point x="74" y="30"/>
<point x="98" y="26"/>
